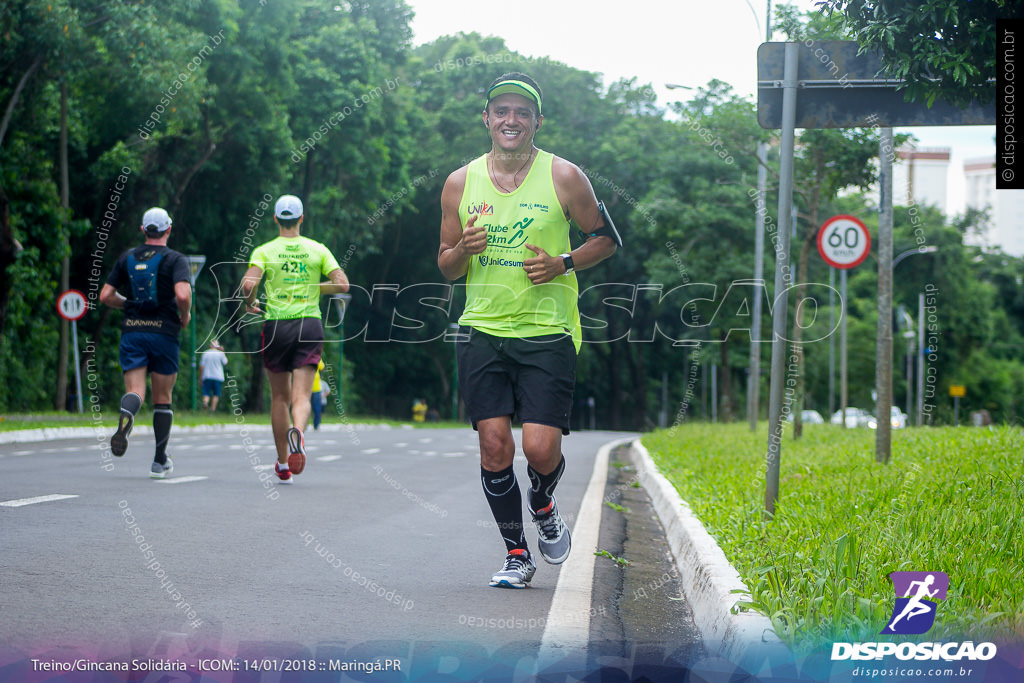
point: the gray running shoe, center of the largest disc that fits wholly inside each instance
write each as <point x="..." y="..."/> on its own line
<point x="158" y="471"/>
<point x="130" y="404"/>
<point x="518" y="570"/>
<point x="554" y="541"/>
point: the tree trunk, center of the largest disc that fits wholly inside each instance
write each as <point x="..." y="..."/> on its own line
<point x="638" y="379"/>
<point x="728" y="400"/>
<point x="798" y="333"/>
<point x="614" y="386"/>
<point x="307" y="177"/>
<point x="13" y="103"/>
<point x="9" y="249"/>
<point x="60" y="400"/>
<point x="211" y="146"/>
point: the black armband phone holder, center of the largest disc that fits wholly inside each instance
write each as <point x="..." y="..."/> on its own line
<point x="608" y="229"/>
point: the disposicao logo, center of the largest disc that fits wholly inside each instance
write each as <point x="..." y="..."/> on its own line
<point x="916" y="593"/>
<point x="914" y="614"/>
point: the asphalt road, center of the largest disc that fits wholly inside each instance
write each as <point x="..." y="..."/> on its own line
<point x="384" y="545"/>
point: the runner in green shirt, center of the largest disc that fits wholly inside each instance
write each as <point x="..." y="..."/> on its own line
<point x="293" y="332"/>
<point x="505" y="226"/>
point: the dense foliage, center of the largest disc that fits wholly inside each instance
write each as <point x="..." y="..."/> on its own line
<point x="941" y="49"/>
<point x="214" y="110"/>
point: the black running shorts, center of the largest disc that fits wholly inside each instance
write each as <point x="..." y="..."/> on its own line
<point x="290" y="344"/>
<point x="530" y="378"/>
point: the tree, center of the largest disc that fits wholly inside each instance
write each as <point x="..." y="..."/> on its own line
<point x="942" y="48"/>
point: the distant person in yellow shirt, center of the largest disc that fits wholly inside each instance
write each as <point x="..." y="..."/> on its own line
<point x="317" y="397"/>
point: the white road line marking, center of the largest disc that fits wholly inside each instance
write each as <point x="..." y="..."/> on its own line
<point x="426" y="439"/>
<point x="263" y="468"/>
<point x="370" y="451"/>
<point x="20" y="502"/>
<point x="329" y="458"/>
<point x="401" y="444"/>
<point x="180" y="480"/>
<point x="22" y="453"/>
<point x="455" y="454"/>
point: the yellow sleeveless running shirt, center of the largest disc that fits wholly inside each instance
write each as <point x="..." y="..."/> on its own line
<point x="500" y="300"/>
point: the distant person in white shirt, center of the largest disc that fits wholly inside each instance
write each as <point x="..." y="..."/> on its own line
<point x="211" y="367"/>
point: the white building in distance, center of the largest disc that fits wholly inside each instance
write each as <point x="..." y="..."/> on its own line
<point x="919" y="176"/>
<point x="1005" y="228"/>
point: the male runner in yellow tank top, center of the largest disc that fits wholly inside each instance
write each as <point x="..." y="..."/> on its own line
<point x="293" y="334"/>
<point x="505" y="225"/>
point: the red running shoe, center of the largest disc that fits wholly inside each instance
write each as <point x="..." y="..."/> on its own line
<point x="296" y="451"/>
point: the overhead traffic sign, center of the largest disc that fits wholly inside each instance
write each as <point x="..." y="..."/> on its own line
<point x="842" y="86"/>
<point x="844" y="241"/>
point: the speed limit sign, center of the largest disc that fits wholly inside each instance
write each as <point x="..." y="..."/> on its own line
<point x="71" y="305"/>
<point x="844" y="241"/>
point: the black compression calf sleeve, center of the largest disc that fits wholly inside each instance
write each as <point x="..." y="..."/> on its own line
<point x="502" y="492"/>
<point x="162" y="419"/>
<point x="542" y="486"/>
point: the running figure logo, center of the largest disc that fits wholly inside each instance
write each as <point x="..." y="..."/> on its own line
<point x="914" y="613"/>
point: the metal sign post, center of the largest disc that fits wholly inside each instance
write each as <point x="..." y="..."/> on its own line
<point x="883" y="347"/>
<point x="195" y="264"/>
<point x="341" y="301"/>
<point x="783" y="280"/>
<point x="843" y="242"/>
<point x="957" y="391"/>
<point x="840" y="88"/>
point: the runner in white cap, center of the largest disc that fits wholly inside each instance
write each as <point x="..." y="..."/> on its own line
<point x="157" y="300"/>
<point x="293" y="333"/>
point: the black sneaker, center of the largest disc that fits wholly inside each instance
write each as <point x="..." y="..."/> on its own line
<point x="518" y="570"/>
<point x="130" y="404"/>
<point x="554" y="541"/>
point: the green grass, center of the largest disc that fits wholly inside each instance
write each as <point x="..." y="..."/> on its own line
<point x="621" y="562"/>
<point x="950" y="500"/>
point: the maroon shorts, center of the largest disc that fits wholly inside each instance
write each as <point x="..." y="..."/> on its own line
<point x="290" y="344"/>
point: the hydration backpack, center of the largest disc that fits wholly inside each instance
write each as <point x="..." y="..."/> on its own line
<point x="142" y="271"/>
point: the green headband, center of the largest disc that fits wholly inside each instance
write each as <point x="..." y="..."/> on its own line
<point x="516" y="88"/>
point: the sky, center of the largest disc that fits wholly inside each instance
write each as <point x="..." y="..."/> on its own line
<point x="659" y="42"/>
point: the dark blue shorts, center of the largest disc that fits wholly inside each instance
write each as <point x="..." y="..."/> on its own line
<point x="211" y="387"/>
<point x="157" y="352"/>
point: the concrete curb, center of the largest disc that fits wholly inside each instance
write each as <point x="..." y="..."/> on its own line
<point x="711" y="584"/>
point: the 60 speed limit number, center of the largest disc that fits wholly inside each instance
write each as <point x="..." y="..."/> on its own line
<point x="844" y="241"/>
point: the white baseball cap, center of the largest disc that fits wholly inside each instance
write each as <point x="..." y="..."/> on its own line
<point x="288" y="206"/>
<point x="157" y="219"/>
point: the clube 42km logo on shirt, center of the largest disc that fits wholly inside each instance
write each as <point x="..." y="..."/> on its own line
<point x="918" y="596"/>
